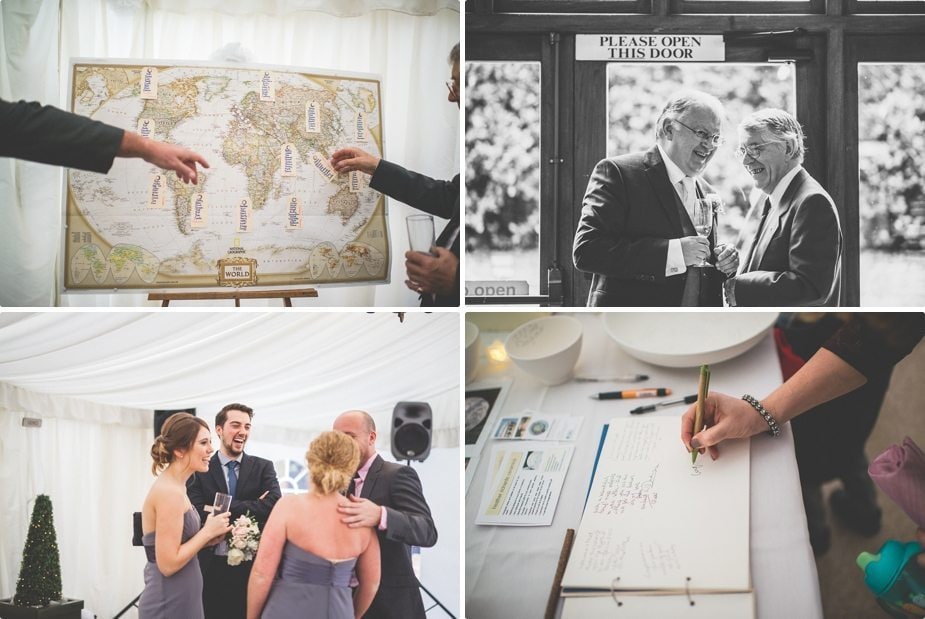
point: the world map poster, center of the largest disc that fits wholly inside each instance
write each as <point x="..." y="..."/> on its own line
<point x="270" y="194"/>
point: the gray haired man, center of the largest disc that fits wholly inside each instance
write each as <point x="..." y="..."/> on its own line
<point x="794" y="258"/>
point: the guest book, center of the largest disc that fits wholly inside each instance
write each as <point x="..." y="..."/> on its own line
<point x="661" y="536"/>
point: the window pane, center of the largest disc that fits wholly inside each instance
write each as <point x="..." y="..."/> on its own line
<point x="891" y="148"/>
<point x="638" y="92"/>
<point x="503" y="172"/>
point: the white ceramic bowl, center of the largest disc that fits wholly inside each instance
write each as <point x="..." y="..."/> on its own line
<point x="687" y="339"/>
<point x="546" y="348"/>
<point x="473" y="351"/>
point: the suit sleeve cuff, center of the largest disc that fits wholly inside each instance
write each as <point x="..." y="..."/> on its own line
<point x="383" y="519"/>
<point x="675" y="263"/>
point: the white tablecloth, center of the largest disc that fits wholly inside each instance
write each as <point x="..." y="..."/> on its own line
<point x="509" y="570"/>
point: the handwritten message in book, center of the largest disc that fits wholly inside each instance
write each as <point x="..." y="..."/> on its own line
<point x="656" y="524"/>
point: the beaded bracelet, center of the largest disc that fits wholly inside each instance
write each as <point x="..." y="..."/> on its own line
<point x="774" y="428"/>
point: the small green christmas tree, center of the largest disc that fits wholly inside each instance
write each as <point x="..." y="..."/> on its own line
<point x="40" y="575"/>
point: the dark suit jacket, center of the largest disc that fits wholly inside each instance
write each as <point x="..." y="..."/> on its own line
<point x="440" y="198"/>
<point x="629" y="213"/>
<point x="49" y="135"/>
<point x="798" y="257"/>
<point x="255" y="476"/>
<point x="396" y="487"/>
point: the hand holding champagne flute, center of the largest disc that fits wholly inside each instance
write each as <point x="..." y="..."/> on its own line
<point x="221" y="504"/>
<point x="703" y="221"/>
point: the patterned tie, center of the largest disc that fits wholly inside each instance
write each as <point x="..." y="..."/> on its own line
<point x="688" y="193"/>
<point x="232" y="476"/>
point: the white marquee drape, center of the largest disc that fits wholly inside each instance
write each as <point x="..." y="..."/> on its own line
<point x="406" y="42"/>
<point x="93" y="377"/>
<point x="298" y="370"/>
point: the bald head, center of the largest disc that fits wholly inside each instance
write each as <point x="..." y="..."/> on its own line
<point x="360" y="426"/>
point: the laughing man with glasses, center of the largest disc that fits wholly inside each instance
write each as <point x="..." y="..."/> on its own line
<point x="794" y="258"/>
<point x="636" y="234"/>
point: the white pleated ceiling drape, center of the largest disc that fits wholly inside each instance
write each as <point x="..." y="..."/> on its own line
<point x="296" y="370"/>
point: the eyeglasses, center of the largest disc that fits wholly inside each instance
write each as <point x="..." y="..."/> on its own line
<point x="703" y="136"/>
<point x="454" y="90"/>
<point x="752" y="150"/>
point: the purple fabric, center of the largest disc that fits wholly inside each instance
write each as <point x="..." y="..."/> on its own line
<point x="900" y="473"/>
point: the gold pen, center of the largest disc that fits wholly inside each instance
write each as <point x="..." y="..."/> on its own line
<point x="702" y="389"/>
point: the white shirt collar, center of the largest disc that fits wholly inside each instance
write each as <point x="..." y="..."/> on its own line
<point x="675" y="175"/>
<point x="782" y="185"/>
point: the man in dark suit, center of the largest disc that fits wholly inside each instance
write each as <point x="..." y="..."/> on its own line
<point x="794" y="259"/>
<point x="388" y="497"/>
<point x="48" y="135"/>
<point x="636" y="233"/>
<point x="435" y="277"/>
<point x="254" y="488"/>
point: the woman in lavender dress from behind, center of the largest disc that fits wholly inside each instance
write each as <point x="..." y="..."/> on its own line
<point x="307" y="555"/>
<point x="173" y="582"/>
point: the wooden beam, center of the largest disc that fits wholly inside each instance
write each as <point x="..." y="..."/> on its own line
<point x="855" y="24"/>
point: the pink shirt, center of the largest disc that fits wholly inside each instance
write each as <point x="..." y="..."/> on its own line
<point x="358" y="488"/>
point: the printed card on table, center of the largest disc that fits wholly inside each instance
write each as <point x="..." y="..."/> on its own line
<point x="538" y="427"/>
<point x="525" y="483"/>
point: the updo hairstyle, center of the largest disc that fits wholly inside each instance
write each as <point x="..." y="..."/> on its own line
<point x="179" y="432"/>
<point x="332" y="458"/>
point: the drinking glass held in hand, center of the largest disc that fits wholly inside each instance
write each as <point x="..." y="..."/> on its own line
<point x="420" y="233"/>
<point x="703" y="222"/>
<point x="222" y="503"/>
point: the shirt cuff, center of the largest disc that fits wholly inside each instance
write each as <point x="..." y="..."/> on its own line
<point x="383" y="519"/>
<point x="675" y="263"/>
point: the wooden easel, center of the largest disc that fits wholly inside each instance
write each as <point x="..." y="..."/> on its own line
<point x="237" y="294"/>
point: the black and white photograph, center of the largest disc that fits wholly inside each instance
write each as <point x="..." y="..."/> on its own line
<point x="695" y="153"/>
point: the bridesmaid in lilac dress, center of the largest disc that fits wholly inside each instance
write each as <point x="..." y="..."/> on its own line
<point x="173" y="582"/>
<point x="307" y="556"/>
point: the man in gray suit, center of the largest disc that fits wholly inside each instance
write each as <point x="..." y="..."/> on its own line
<point x="388" y="497"/>
<point x="794" y="257"/>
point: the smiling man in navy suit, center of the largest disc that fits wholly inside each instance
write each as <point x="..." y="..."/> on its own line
<point x="254" y="488"/>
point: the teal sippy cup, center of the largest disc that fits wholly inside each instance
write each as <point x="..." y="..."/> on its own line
<point x="894" y="576"/>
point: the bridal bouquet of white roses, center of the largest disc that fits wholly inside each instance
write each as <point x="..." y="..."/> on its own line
<point x="243" y="539"/>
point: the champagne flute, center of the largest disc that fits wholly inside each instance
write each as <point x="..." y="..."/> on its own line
<point x="221" y="504"/>
<point x="703" y="222"/>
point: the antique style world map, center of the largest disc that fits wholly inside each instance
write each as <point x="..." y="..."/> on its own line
<point x="269" y="194"/>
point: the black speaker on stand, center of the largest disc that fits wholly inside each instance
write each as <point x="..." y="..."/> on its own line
<point x="411" y="432"/>
<point x="411" y="429"/>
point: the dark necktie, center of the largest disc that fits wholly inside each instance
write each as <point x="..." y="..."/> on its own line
<point x="232" y="476"/>
<point x="352" y="488"/>
<point x="764" y="216"/>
